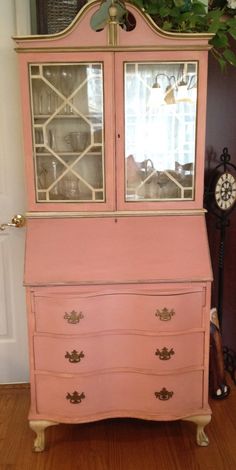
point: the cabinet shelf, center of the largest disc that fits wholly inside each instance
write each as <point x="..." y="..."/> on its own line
<point x="70" y="116"/>
<point x="65" y="154"/>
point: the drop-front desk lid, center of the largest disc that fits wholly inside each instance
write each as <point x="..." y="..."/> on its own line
<point x="117" y="250"/>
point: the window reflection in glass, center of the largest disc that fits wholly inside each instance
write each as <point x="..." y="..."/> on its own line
<point x="160" y="128"/>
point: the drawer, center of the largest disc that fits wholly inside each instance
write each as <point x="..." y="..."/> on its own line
<point x="131" y="394"/>
<point x="102" y="351"/>
<point x="99" y="311"/>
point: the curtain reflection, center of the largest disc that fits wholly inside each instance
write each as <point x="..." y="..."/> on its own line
<point x="160" y="126"/>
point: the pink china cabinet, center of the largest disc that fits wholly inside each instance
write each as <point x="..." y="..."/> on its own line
<point x="117" y="267"/>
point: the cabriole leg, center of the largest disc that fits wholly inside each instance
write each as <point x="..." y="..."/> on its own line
<point x="201" y="421"/>
<point x="39" y="428"/>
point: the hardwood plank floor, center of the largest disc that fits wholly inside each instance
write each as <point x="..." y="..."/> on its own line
<point x="116" y="444"/>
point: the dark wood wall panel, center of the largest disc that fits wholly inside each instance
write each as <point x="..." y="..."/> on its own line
<point x="221" y="132"/>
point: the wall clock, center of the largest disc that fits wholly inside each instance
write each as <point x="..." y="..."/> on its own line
<point x="220" y="193"/>
<point x="225" y="191"/>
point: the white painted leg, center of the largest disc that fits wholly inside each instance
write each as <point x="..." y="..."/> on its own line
<point x="39" y="428"/>
<point x="201" y="421"/>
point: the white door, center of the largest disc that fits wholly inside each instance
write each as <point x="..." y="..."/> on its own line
<point x="14" y="20"/>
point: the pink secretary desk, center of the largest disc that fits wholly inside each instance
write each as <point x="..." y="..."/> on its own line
<point x="117" y="266"/>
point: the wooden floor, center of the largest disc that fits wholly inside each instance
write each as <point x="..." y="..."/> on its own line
<point x="117" y="444"/>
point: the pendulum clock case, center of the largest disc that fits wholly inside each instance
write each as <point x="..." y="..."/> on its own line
<point x="117" y="266"/>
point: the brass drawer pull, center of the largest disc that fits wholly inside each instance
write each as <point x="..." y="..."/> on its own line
<point x="75" y="398"/>
<point x="74" y="356"/>
<point x="165" y="314"/>
<point x="164" y="395"/>
<point x="73" y="317"/>
<point x="164" y="354"/>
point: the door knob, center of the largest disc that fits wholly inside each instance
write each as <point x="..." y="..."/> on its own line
<point x="17" y="221"/>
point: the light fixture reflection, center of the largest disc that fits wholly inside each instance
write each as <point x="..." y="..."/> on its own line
<point x="156" y="96"/>
<point x="167" y="90"/>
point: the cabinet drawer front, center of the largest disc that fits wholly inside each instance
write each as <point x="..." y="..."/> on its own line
<point x="100" y="352"/>
<point x="134" y="394"/>
<point x="108" y="311"/>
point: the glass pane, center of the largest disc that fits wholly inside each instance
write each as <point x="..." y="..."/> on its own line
<point x="160" y="128"/>
<point x="68" y="138"/>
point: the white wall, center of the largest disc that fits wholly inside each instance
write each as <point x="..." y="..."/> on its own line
<point x="14" y="20"/>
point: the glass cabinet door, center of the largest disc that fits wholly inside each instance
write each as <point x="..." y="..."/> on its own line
<point x="67" y="106"/>
<point x="160" y="109"/>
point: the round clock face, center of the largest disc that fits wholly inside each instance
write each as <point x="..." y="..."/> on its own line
<point x="225" y="191"/>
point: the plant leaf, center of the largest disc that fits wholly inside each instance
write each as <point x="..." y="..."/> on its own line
<point x="222" y="63"/>
<point x="138" y="3"/>
<point x="179" y="3"/>
<point x="230" y="56"/>
<point x="153" y="9"/>
<point x="164" y="11"/>
<point x="215" y="14"/>
<point x="214" y="26"/>
<point x="232" y="32"/>
<point x="231" y="22"/>
<point x="198" y="8"/>
<point x="167" y="26"/>
<point x="220" y="41"/>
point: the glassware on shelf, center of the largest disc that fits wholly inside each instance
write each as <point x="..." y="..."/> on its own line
<point x="66" y="84"/>
<point x="45" y="99"/>
<point x="52" y="139"/>
<point x="77" y="140"/>
<point x="51" y="74"/>
<point x="38" y="96"/>
<point x="54" y="192"/>
<point x="39" y="140"/>
<point x="47" y="176"/>
<point x="41" y="177"/>
<point x="69" y="186"/>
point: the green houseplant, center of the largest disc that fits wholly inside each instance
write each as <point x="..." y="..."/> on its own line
<point x="185" y="16"/>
